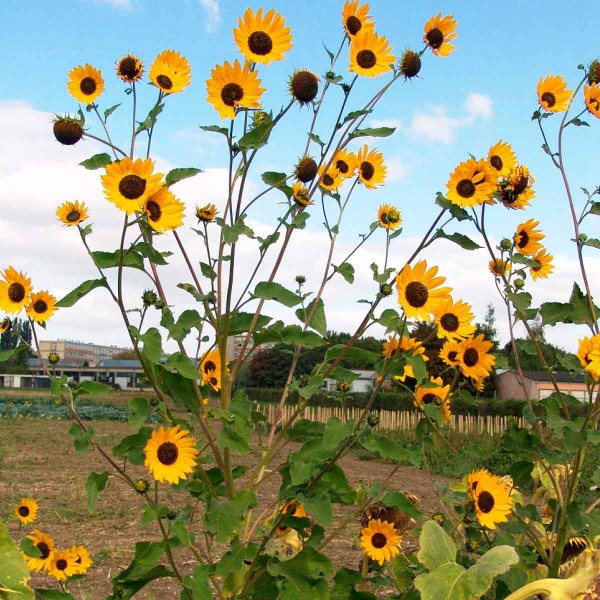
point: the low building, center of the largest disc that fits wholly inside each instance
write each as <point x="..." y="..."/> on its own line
<point x="538" y="385"/>
<point x="80" y="353"/>
<point x="365" y="382"/>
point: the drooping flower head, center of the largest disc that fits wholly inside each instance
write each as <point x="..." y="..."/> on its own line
<point x="516" y="190"/>
<point x="436" y="392"/>
<point x="293" y="508"/>
<point x="41" y="307"/>
<point x="370" y="54"/>
<point x="170" y="72"/>
<point x="72" y="213"/>
<point x="164" y="211"/>
<point x="410" y="64"/>
<point x="15" y="290"/>
<point x="475" y="360"/>
<point x="499" y="267"/>
<point x="262" y="38"/>
<point x="553" y="94"/>
<point x="472" y="183"/>
<point x="356" y="18"/>
<point x="300" y="194"/>
<point x="329" y="178"/>
<point x="45" y="544"/>
<point x="389" y="217"/>
<point x="492" y="499"/>
<point x="26" y="510"/>
<point x="306" y="169"/>
<point x="82" y="559"/>
<point x="527" y="238"/>
<point x="379" y="541"/>
<point x="371" y="168"/>
<point x="5" y="325"/>
<point x="171" y="454"/>
<point x="501" y="159"/>
<point x="85" y="84"/>
<point x="439" y="32"/>
<point x="129" y="68"/>
<point x="546" y="267"/>
<point x="67" y="130"/>
<point x="206" y="213"/>
<point x="454" y="320"/>
<point x="304" y="86"/>
<point x="591" y="93"/>
<point x="232" y="86"/>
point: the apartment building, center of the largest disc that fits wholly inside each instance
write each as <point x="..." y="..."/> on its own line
<point x="81" y="353"/>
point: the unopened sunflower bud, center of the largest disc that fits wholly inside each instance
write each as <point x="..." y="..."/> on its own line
<point x="343" y="386"/>
<point x="149" y="298"/>
<point x="373" y="420"/>
<point x="471" y="545"/>
<point x="385" y="289"/>
<point x="583" y="237"/>
<point x="141" y="486"/>
<point x="67" y="131"/>
<point x="519" y="284"/>
<point x="346" y="88"/>
<point x="53" y="358"/>
<point x="439" y="518"/>
<point x="300" y="279"/>
<point x="506" y="244"/>
<point x="594" y="73"/>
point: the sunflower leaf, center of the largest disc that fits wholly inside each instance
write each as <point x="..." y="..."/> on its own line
<point x="98" y="161"/>
<point x="152" y="349"/>
<point x="149" y="121"/>
<point x="556" y="312"/>
<point x="222" y="130"/>
<point x="437" y="548"/>
<point x="14" y="573"/>
<point x="108" y="260"/>
<point x="386" y="448"/>
<point x="80" y="291"/>
<point x="523" y="260"/>
<point x="275" y="291"/>
<point x="274" y="179"/>
<point x="329" y="53"/>
<point x="356" y="113"/>
<point x="595" y="208"/>
<point x="110" y="111"/>
<point x="578" y="123"/>
<point x="373" y="132"/>
<point x="299" y="220"/>
<point x="315" y="138"/>
<point x="346" y="270"/>
<point x="95" y="483"/>
<point x="458" y="238"/>
<point x="240" y="322"/>
<point x="459" y="213"/>
<point x="175" y="175"/>
<point x="594" y="243"/>
<point x="256" y="137"/>
<point x="318" y="321"/>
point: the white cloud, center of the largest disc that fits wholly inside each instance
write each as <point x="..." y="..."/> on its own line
<point x="120" y="4"/>
<point x="396" y="123"/>
<point x="478" y="105"/>
<point x="212" y="13"/>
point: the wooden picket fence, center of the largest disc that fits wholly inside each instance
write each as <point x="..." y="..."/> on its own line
<point x="390" y="420"/>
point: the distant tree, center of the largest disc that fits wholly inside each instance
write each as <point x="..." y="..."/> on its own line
<point x="269" y="367"/>
<point x="488" y="327"/>
<point x="529" y="359"/>
<point x="126" y="355"/>
<point x="20" y="329"/>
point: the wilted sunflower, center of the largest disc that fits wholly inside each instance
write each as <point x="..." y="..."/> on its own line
<point x="211" y="370"/>
<point x="492" y="500"/>
<point x="206" y="213"/>
<point x="405" y="345"/>
<point x="164" y="211"/>
<point x="67" y="130"/>
<point x="472" y="184"/>
<point x="262" y="39"/>
<point x="527" y="238"/>
<point x="546" y="267"/>
<point x="329" y="178"/>
<point x="129" y="68"/>
<point x="589" y="355"/>
<point x="304" y="86"/>
<point x="473" y="479"/>
<point x="62" y="565"/>
<point x="454" y="320"/>
<point x="85" y="83"/>
<point x="553" y="94"/>
<point x="389" y="217"/>
<point x="293" y="508"/>
<point x="300" y="194"/>
<point x="72" y="213"/>
<point x="345" y="162"/>
<point x="26" y="510"/>
<point x="591" y="93"/>
<point x="370" y="54"/>
<point x="45" y="544"/>
<point x="170" y="454"/>
<point x="450" y="353"/>
<point x="306" y="169"/>
<point x="475" y="360"/>
<point x="5" y="325"/>
<point x="232" y="86"/>
<point x="410" y="64"/>
<point x="419" y="293"/>
<point x="501" y="159"/>
<point x="380" y="541"/>
<point x="170" y="72"/>
<point x="499" y="267"/>
<point x="356" y="18"/>
<point x="128" y="184"/>
<point x="516" y="191"/>
<point x="439" y="31"/>
<point x="82" y="559"/>
<point x="41" y="307"/>
<point x="15" y="290"/>
<point x="371" y="170"/>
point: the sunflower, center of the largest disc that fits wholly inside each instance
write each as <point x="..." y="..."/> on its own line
<point x="41" y="307"/>
<point x="170" y="72"/>
<point x="72" y="213"/>
<point x="473" y="479"/>
<point x="405" y="345"/>
<point x="450" y="353"/>
<point x="5" y="325"/>
<point x="14" y="290"/>
<point x="304" y="86"/>
<point x="129" y="68"/>
<point x="472" y="183"/>
<point x="499" y="267"/>
<point x="85" y="83"/>
<point x="516" y="191"/>
<point x="437" y="393"/>
<point x="591" y="93"/>
<point x="356" y="18"/>
<point x="293" y="509"/>
<point x="553" y="94"/>
<point x="206" y="213"/>
<point x="492" y="499"/>
<point x="164" y="211"/>
<point x="329" y="178"/>
<point x="45" y="544"/>
<point x="82" y="559"/>
<point x="128" y="184"/>
<point x="439" y="31"/>
<point x="453" y="319"/>
<point x="527" y="238"/>
<point x="475" y="361"/>
<point x="501" y="159"/>
<point x="546" y="267"/>
<point x="589" y="355"/>
<point x="262" y="39"/>
<point x="417" y="293"/>
<point x="389" y="217"/>
<point x="379" y="541"/>
<point x="210" y="369"/>
<point x="231" y="86"/>
<point x="370" y="54"/>
<point x="62" y="565"/>
<point x="346" y="163"/>
<point x="67" y="130"/>
<point x="170" y="454"/>
<point x="371" y="170"/>
<point x="300" y="194"/>
<point x="306" y="169"/>
<point x="26" y="510"/>
<point x="410" y="64"/>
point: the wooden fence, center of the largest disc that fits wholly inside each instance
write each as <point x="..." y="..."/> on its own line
<point x="390" y="420"/>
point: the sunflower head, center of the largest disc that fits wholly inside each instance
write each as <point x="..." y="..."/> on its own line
<point x="170" y="72"/>
<point x="300" y="194"/>
<point x="85" y="84"/>
<point x="15" y="290"/>
<point x="72" y="213"/>
<point x="553" y="94"/>
<point x="492" y="500"/>
<point x="591" y="94"/>
<point x="356" y="18"/>
<point x="473" y="183"/>
<point x="26" y="510"/>
<point x="345" y="163"/>
<point x="82" y="559"/>
<point x="329" y="178"/>
<point x="379" y="541"/>
<point x="304" y="86"/>
<point x="501" y="159"/>
<point x="141" y="486"/>
<point x="527" y="238"/>
<point x="389" y="217"/>
<point x="62" y="565"/>
<point x="454" y="320"/>
<point x="306" y="169"/>
<point x="211" y="369"/>
<point x="475" y="360"/>
<point x="41" y="306"/>
<point x="516" y="190"/>
<point x="499" y="267"/>
<point x="450" y="353"/>
<point x="5" y="325"/>
<point x="545" y="265"/>
<point x="370" y="54"/>
<point x="171" y="454"/>
<point x="129" y="68"/>
<point x="206" y="213"/>
<point x="45" y="544"/>
<point x="53" y="358"/>
<point x="67" y="130"/>
<point x="410" y="64"/>
<point x="262" y="38"/>
<point x="439" y="31"/>
<point x="371" y="168"/>
<point x="164" y="211"/>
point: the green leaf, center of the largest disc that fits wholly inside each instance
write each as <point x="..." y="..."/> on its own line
<point x="150" y="120"/>
<point x="107" y="260"/>
<point x="139" y="411"/>
<point x="437" y="549"/>
<point x="318" y="321"/>
<point x="581" y="307"/>
<point x="231" y="233"/>
<point x="346" y="270"/>
<point x="459" y="213"/>
<point x="521" y="301"/>
<point x="224" y="518"/>
<point x="578" y="122"/>
<point x="274" y="179"/>
<point x="82" y="439"/>
<point x="175" y="175"/>
<point x="152" y="349"/>
<point x="309" y="389"/>
<point x="299" y="220"/>
<point x="494" y="562"/>
<point x="256" y="137"/>
<point x="440" y="584"/>
<point x="268" y="241"/>
<point x="524" y="260"/>
<point x="240" y="322"/>
<point x="402" y="503"/>
<point x="275" y="291"/>
<point x="216" y="129"/>
<point x="555" y="312"/>
<point x="176" y="362"/>
<point x="418" y="365"/>
<point x="315" y="138"/>
<point x="132" y="446"/>
<point x="80" y="291"/>
<point x="98" y="161"/>
<point x="191" y="289"/>
<point x="110" y="111"/>
<point x="47" y="594"/>
<point x="95" y="483"/>
<point x="305" y="575"/>
<point x="94" y="388"/>
<point x="595" y="208"/>
<point x="373" y="132"/>
<point x="458" y="238"/>
<point x="344" y="588"/>
<point x="355" y="114"/>
<point x="593" y="242"/>
<point x="14" y="573"/>
<point x="148" y="251"/>
<point x="386" y="448"/>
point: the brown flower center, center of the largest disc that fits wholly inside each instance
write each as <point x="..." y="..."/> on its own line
<point x="496" y="162"/>
<point x="129" y="68"/>
<point x="485" y="502"/>
<point x="367" y="170"/>
<point x="411" y="64"/>
<point x="44" y="549"/>
<point x="209" y="365"/>
<point x="521" y="185"/>
<point x="428" y="398"/>
<point x="231" y="94"/>
<point x="452" y="355"/>
<point x="132" y="186"/>
<point x="366" y="59"/>
<point x="67" y="132"/>
<point x="471" y="357"/>
<point x="164" y="82"/>
<point x="523" y="240"/>
<point x="260" y="43"/>
<point x="306" y="170"/>
<point x="73" y="216"/>
<point x="435" y="38"/>
<point x="305" y="86"/>
<point x="353" y="25"/>
<point x="213" y="381"/>
<point x="465" y="188"/>
<point x="61" y="564"/>
<point x="88" y="86"/>
<point x="449" y="322"/>
<point x="327" y="180"/>
<point x="416" y="294"/>
<point x="40" y="306"/>
<point x="16" y="292"/>
<point x="167" y="453"/>
<point x="548" y="99"/>
<point x="153" y="208"/>
<point x="24" y="511"/>
<point x="379" y="540"/>
<point x="342" y="166"/>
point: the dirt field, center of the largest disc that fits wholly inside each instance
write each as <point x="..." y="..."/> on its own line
<point x="37" y="459"/>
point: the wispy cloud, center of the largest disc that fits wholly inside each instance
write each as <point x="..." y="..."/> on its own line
<point x="212" y="13"/>
<point x="120" y="4"/>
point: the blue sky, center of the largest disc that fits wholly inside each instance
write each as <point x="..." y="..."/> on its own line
<point x="463" y="104"/>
